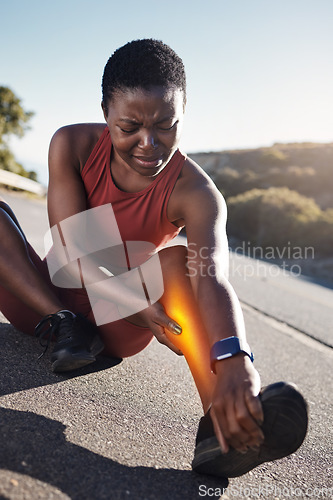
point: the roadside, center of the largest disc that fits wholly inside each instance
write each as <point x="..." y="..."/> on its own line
<point x="20" y="193"/>
<point x="308" y="265"/>
<point x="30" y="210"/>
<point x="20" y="182"/>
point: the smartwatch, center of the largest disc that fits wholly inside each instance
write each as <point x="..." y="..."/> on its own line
<point x="226" y="348"/>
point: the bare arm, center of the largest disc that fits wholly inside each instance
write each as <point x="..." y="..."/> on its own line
<point x="66" y="197"/>
<point x="236" y="410"/>
<point x="69" y="150"/>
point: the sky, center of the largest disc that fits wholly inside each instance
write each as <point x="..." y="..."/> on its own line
<point x="258" y="71"/>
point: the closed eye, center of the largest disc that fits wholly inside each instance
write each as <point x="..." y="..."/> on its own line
<point x="128" y="131"/>
<point x="168" y="128"/>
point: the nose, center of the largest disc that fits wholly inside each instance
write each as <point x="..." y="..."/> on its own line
<point x="148" y="140"/>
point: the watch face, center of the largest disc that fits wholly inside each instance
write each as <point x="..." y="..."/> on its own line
<point x="226" y="348"/>
<point x="223" y="349"/>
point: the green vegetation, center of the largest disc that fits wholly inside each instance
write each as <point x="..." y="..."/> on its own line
<point x="13" y="121"/>
<point x="306" y="168"/>
<point x="277" y="196"/>
<point x="276" y="217"/>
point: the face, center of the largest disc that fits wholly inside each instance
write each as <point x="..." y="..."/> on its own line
<point x="145" y="127"/>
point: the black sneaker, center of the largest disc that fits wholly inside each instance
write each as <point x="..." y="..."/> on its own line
<point x="284" y="428"/>
<point x="77" y="340"/>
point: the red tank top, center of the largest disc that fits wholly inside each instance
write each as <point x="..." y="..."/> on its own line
<point x="140" y="216"/>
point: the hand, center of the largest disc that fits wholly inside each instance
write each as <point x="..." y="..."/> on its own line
<point x="157" y="320"/>
<point x="236" y="408"/>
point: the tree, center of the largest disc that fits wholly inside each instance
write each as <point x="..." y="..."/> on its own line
<point x="13" y="118"/>
<point x="13" y="121"/>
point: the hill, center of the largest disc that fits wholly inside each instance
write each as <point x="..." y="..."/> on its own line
<point x="279" y="198"/>
<point x="303" y="167"/>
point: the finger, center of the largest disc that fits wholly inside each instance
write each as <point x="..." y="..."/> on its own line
<point x="164" y="322"/>
<point x="162" y="319"/>
<point x="254" y="406"/>
<point x="249" y="432"/>
<point x="158" y="331"/>
<point x="218" y="431"/>
<point x="236" y="415"/>
<point x="173" y="327"/>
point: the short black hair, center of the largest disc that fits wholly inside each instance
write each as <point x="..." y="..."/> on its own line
<point x="143" y="64"/>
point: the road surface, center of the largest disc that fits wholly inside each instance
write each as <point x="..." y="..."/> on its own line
<point x="127" y="431"/>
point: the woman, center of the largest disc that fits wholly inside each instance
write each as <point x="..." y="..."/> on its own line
<point x="133" y="165"/>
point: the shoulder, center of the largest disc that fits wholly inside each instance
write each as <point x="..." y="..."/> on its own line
<point x="74" y="143"/>
<point x="195" y="195"/>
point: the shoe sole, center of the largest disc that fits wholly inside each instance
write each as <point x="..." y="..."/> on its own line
<point x="97" y="346"/>
<point x="284" y="428"/>
<point x="66" y="361"/>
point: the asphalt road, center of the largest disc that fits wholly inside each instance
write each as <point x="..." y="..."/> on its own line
<point x="127" y="430"/>
<point x="284" y="295"/>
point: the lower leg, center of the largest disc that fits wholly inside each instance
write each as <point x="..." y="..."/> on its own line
<point x="180" y="304"/>
<point x="4" y="206"/>
<point x="17" y="272"/>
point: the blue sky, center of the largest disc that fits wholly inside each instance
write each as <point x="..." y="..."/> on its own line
<point x="259" y="71"/>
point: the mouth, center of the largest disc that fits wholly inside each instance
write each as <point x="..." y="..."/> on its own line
<point x="148" y="162"/>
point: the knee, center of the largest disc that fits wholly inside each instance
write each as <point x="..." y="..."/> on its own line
<point x="174" y="256"/>
<point x="4" y="207"/>
<point x="3" y="212"/>
<point x="8" y="220"/>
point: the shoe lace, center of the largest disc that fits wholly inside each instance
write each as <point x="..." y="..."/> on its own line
<point x="45" y="334"/>
<point x="52" y="321"/>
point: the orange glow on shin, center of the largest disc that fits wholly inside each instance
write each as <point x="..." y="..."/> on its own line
<point x="193" y="341"/>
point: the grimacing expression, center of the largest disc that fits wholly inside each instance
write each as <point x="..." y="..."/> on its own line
<point x="145" y="127"/>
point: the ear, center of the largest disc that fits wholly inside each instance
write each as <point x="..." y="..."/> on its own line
<point x="105" y="111"/>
